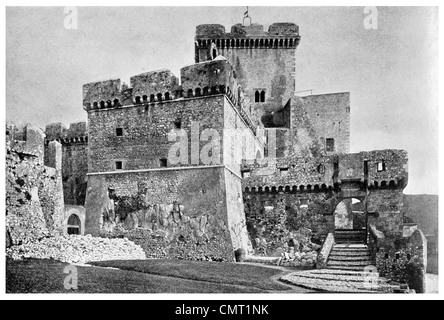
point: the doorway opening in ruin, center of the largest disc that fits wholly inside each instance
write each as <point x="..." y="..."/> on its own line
<point x="74" y="225"/>
<point x="350" y="215"/>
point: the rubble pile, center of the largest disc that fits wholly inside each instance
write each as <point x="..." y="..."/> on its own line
<point x="78" y="249"/>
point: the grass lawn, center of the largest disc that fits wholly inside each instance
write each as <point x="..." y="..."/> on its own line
<point x="214" y="272"/>
<point x="151" y="276"/>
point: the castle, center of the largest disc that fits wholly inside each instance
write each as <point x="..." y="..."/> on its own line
<point x="289" y="170"/>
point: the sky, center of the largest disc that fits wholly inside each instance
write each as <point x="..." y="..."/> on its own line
<point x="391" y="72"/>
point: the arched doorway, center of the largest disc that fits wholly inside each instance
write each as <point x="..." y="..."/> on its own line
<point x="350" y="222"/>
<point x="350" y="215"/>
<point x="74" y="224"/>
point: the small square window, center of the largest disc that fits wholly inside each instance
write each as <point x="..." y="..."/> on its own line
<point x="119" y="132"/>
<point x="381" y="166"/>
<point x="119" y="165"/>
<point x="177" y="125"/>
<point x="163" y="163"/>
<point x="330" y="145"/>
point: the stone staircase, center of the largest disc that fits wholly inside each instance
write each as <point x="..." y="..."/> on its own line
<point x="350" y="252"/>
<point x="351" y="236"/>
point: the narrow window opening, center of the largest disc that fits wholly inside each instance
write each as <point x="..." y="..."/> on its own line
<point x="330" y="145"/>
<point x="381" y="166"/>
<point x="257" y="96"/>
<point x="177" y="125"/>
<point x="119" y="165"/>
<point x="263" y="96"/>
<point x="163" y="163"/>
<point x="119" y="132"/>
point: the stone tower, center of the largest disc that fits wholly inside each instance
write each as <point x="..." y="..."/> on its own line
<point x="264" y="62"/>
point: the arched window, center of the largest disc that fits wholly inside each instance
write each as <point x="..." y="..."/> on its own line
<point x="152" y="98"/>
<point x="205" y="91"/>
<point x="159" y="97"/>
<point x="145" y="98"/>
<point x="257" y="97"/>
<point x="73" y="224"/>
<point x="95" y="105"/>
<point x="138" y="100"/>
<point x="167" y="96"/>
<point x="262" y="96"/>
<point x="116" y="102"/>
<point x="190" y="93"/>
<point x="102" y="104"/>
<point x="198" y="92"/>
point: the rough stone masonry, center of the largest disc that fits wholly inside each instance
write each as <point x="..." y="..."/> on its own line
<point x="291" y="184"/>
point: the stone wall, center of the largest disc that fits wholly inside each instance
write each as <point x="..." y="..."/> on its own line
<point x="404" y="261"/>
<point x="74" y="140"/>
<point x="186" y="214"/>
<point x="329" y="115"/>
<point x="293" y="173"/>
<point x="153" y="83"/>
<point x="285" y="195"/>
<point x="262" y="60"/>
<point x="145" y="129"/>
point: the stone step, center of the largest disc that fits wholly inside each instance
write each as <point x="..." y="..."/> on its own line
<point x="351" y="234"/>
<point x="360" y="277"/>
<point x="350" y="241"/>
<point x="349" y="249"/>
<point x="355" y="264"/>
<point x="350" y="258"/>
<point x="350" y="254"/>
<point x="346" y="268"/>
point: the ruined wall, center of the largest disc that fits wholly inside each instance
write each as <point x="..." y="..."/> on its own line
<point x="329" y="114"/>
<point x="174" y="213"/>
<point x="262" y="60"/>
<point x="404" y="261"/>
<point x="34" y="196"/>
<point x="74" y="140"/>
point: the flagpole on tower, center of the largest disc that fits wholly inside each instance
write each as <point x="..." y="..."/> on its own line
<point x="246" y="16"/>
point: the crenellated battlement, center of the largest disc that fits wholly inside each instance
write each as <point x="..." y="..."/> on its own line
<point x="199" y="80"/>
<point x="374" y="169"/>
<point x="77" y="133"/>
<point x="279" y="35"/>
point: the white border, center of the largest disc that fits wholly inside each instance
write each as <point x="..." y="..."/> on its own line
<point x="226" y="297"/>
